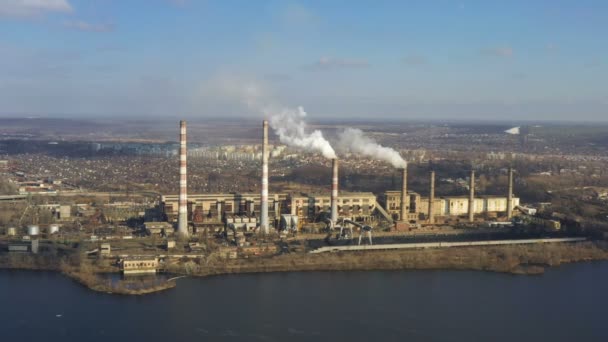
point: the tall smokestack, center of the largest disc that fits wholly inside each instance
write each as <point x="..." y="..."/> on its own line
<point x="264" y="205"/>
<point x="403" y="215"/>
<point x="334" y="191"/>
<point x="510" y="195"/>
<point x="182" y="220"/>
<point x="432" y="198"/>
<point x="472" y="197"/>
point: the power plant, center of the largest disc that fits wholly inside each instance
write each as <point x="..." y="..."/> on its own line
<point x="182" y="221"/>
<point x="264" y="223"/>
<point x="405" y="209"/>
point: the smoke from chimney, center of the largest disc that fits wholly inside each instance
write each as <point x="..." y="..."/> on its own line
<point x="293" y="131"/>
<point x="354" y="140"/>
<point x="182" y="219"/>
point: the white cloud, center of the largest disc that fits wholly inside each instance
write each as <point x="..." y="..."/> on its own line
<point x="330" y="63"/>
<point x="24" y="8"/>
<point x="501" y="51"/>
<point x="80" y="25"/>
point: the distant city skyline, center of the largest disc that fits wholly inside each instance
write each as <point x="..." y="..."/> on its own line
<point x="452" y="60"/>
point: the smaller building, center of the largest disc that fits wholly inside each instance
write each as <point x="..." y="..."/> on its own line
<point x="246" y="223"/>
<point x="227" y="252"/>
<point x="24" y="247"/>
<point x="19" y="247"/>
<point x="65" y="212"/>
<point x="159" y="228"/>
<point x="195" y="247"/>
<point x="259" y="250"/>
<point x="105" y="249"/>
<point x="170" y="244"/>
<point x="139" y="265"/>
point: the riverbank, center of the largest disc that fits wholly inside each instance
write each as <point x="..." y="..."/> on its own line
<point x="515" y="259"/>
<point x="521" y="259"/>
<point x="85" y="273"/>
<point x="96" y="282"/>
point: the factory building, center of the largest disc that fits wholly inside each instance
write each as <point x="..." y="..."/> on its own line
<point x="358" y="206"/>
<point x="391" y="202"/>
<point x="308" y="207"/>
<point x="418" y="207"/>
<point x="215" y="207"/>
<point x="139" y="265"/>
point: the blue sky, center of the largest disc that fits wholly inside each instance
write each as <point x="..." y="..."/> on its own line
<point x="504" y="60"/>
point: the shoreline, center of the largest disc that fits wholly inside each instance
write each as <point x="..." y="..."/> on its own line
<point x="516" y="260"/>
<point x="520" y="260"/>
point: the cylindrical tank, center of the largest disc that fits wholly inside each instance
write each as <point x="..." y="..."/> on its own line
<point x="11" y="231"/>
<point x="54" y="229"/>
<point x="33" y="230"/>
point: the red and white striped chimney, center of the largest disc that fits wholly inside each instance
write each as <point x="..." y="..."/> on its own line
<point x="403" y="212"/>
<point x="334" y="191"/>
<point x="510" y="195"/>
<point x="472" y="197"/>
<point x="182" y="219"/>
<point x="264" y="229"/>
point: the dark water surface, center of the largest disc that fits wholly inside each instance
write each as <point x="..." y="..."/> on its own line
<point x="569" y="303"/>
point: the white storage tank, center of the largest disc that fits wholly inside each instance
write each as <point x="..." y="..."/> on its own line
<point x="53" y="229"/>
<point x="11" y="231"/>
<point x="33" y="230"/>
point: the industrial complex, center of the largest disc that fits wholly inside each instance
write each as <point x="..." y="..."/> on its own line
<point x="267" y="223"/>
<point x="405" y="209"/>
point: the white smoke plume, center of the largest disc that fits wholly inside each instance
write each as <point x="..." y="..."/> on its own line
<point x="290" y="126"/>
<point x="354" y="140"/>
<point x="288" y="123"/>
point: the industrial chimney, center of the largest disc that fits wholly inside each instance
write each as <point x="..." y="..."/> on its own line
<point x="472" y="197"/>
<point x="510" y="195"/>
<point x="334" y="191"/>
<point x="403" y="214"/>
<point x="432" y="198"/>
<point x="182" y="219"/>
<point x="264" y="198"/>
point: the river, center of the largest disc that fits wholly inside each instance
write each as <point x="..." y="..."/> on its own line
<point x="567" y="303"/>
